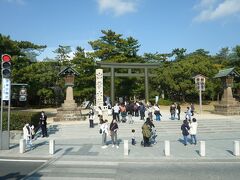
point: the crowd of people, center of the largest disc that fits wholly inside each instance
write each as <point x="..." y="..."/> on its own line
<point x="124" y="112"/>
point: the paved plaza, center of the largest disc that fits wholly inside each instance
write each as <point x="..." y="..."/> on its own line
<point x="78" y="152"/>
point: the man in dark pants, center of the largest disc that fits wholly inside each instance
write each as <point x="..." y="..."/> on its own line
<point x="43" y="123"/>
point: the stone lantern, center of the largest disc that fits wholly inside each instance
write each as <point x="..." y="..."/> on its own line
<point x="69" y="110"/>
<point x="228" y="105"/>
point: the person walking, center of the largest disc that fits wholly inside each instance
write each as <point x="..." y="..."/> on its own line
<point x="91" y="117"/>
<point x="104" y="130"/>
<point x="192" y="109"/>
<point x="123" y="112"/>
<point x="193" y="131"/>
<point x="142" y="110"/>
<point x="113" y="133"/>
<point x="146" y="131"/>
<point x="188" y="114"/>
<point x="185" y="131"/>
<point x="43" y="124"/>
<point x="27" y="135"/>
<point x="172" y="111"/>
<point x="157" y="112"/>
<point x="133" y="137"/>
<point x="178" y="110"/>
<point x="116" y="110"/>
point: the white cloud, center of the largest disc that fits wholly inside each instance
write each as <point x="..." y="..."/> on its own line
<point x="118" y="7"/>
<point x="216" y="9"/>
<point x="205" y="3"/>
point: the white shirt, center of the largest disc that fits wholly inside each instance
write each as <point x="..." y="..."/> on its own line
<point x="193" y="128"/>
<point x="116" y="109"/>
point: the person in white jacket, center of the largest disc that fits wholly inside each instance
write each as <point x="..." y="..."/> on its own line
<point x="193" y="130"/>
<point x="27" y="135"/>
<point x="104" y="131"/>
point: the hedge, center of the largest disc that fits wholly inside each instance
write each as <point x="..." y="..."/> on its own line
<point x="19" y="118"/>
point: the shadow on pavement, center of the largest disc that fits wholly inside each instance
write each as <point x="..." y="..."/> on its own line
<point x="15" y="175"/>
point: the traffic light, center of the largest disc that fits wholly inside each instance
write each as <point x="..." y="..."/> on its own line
<point x="6" y="66"/>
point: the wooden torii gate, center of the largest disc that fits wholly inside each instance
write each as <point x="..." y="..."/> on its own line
<point x="129" y="67"/>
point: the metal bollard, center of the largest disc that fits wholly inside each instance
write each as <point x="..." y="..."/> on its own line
<point x="22" y="146"/>
<point x="167" y="148"/>
<point x="236" y="148"/>
<point x="126" y="147"/>
<point x="202" y="148"/>
<point x="51" y="146"/>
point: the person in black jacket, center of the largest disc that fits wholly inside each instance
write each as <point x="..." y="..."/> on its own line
<point x="43" y="123"/>
<point x="185" y="131"/>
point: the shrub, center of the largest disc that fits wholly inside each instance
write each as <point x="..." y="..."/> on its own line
<point x="165" y="102"/>
<point x="19" y="118"/>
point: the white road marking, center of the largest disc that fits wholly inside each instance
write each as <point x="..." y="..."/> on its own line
<point x="23" y="160"/>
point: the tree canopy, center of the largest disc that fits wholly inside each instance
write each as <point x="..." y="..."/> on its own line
<point x="174" y="77"/>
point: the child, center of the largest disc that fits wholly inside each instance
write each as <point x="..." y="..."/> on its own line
<point x="133" y="137"/>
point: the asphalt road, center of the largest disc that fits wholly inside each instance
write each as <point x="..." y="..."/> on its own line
<point x="164" y="170"/>
<point x="17" y="168"/>
<point x="181" y="170"/>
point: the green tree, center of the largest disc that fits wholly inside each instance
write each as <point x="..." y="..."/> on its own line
<point x="113" y="47"/>
<point x="62" y="53"/>
<point x="176" y="77"/>
<point x="85" y="82"/>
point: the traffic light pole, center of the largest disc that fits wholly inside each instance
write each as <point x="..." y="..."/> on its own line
<point x="5" y="96"/>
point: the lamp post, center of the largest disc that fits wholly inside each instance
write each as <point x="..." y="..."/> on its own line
<point x="200" y="85"/>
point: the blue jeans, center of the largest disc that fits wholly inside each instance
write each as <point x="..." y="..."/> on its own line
<point x="185" y="139"/>
<point x="194" y="139"/>
<point x="158" y="117"/>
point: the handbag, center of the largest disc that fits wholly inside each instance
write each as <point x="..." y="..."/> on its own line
<point x="100" y="131"/>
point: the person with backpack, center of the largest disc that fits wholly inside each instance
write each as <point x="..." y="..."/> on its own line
<point x="146" y="131"/>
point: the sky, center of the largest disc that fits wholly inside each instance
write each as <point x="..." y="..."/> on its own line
<point x="158" y="25"/>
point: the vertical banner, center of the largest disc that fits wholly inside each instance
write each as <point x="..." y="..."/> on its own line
<point x="156" y="99"/>
<point x="6" y="87"/>
<point x="99" y="87"/>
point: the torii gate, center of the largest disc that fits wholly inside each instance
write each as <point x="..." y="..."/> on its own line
<point x="129" y="66"/>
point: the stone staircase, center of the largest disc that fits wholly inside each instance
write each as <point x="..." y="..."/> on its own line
<point x="82" y="130"/>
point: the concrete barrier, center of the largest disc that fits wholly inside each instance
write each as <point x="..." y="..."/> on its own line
<point x="202" y="149"/>
<point x="126" y="147"/>
<point x="51" y="146"/>
<point x="167" y="148"/>
<point x="22" y="146"/>
<point x="236" y="148"/>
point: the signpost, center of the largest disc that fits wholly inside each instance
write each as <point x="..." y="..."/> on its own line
<point x="200" y="85"/>
<point x="5" y="98"/>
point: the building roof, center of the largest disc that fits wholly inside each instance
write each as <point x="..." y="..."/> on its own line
<point x="227" y="72"/>
<point x="68" y="70"/>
